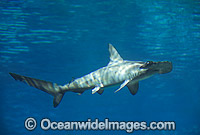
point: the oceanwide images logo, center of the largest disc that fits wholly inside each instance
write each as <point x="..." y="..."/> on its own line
<point x="47" y="124"/>
<point x="30" y="124"/>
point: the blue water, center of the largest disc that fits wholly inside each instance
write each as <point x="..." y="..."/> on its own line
<point x="56" y="40"/>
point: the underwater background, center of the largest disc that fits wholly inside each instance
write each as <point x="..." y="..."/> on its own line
<point x="57" y="40"/>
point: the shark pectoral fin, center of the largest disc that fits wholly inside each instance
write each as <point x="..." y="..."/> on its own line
<point x="97" y="88"/>
<point x="100" y="91"/>
<point x="133" y="87"/>
<point x="122" y="85"/>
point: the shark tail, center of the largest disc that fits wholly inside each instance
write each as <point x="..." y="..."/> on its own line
<point x="48" y="87"/>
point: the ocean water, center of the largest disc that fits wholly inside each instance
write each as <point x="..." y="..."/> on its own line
<point x="57" y="40"/>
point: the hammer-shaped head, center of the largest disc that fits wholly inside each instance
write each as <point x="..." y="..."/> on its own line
<point x="161" y="67"/>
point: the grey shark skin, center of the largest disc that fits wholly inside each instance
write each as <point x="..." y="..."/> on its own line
<point x="118" y="71"/>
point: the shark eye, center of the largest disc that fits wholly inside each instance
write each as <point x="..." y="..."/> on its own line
<point x="149" y="62"/>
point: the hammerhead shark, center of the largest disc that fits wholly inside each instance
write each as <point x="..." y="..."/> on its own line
<point x="118" y="71"/>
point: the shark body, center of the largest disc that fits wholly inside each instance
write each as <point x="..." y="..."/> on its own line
<point x="118" y="71"/>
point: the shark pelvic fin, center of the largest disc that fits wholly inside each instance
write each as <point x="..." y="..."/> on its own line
<point x="97" y="88"/>
<point x="122" y="85"/>
<point x="114" y="55"/>
<point x="100" y="91"/>
<point x="133" y="87"/>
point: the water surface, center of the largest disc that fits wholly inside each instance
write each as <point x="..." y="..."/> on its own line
<point x="58" y="40"/>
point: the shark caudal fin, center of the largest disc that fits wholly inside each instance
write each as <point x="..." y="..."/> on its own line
<point x="48" y="87"/>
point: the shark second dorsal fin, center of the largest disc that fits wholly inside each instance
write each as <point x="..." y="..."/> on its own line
<point x="114" y="55"/>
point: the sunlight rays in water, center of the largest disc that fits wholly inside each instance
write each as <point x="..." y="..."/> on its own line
<point x="167" y="34"/>
<point x="59" y="39"/>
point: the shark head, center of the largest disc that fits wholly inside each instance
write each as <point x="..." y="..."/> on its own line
<point x="160" y="67"/>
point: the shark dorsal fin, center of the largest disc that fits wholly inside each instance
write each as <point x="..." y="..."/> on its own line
<point x="114" y="55"/>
